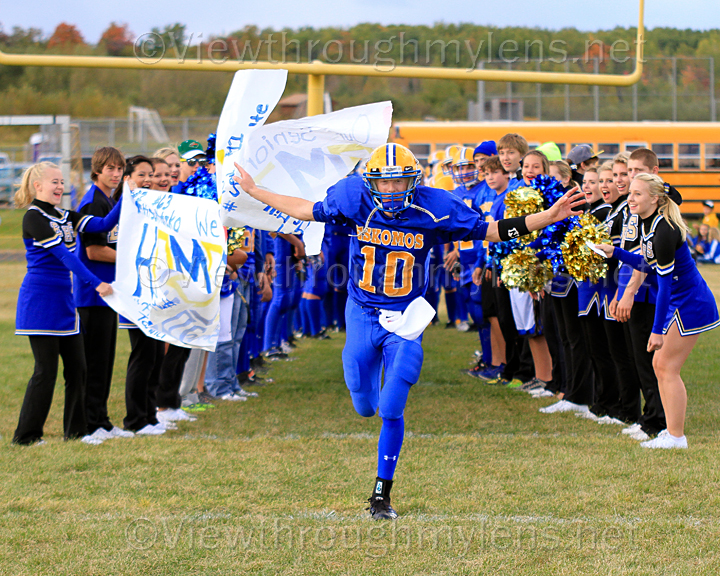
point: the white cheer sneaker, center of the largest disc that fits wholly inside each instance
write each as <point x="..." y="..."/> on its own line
<point x="667" y="441"/>
<point x="564" y="406"/>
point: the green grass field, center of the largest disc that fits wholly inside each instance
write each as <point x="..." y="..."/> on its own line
<point x="485" y="484"/>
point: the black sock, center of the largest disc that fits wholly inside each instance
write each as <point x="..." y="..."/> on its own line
<point x="382" y="488"/>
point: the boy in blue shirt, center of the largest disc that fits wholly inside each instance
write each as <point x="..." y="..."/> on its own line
<point x="397" y="222"/>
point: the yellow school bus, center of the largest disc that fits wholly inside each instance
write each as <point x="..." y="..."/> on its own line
<point x="688" y="152"/>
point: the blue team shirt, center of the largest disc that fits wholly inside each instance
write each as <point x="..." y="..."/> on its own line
<point x="389" y="256"/>
<point x="472" y="252"/>
<point x="95" y="203"/>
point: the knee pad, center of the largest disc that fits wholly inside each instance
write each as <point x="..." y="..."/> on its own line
<point x="408" y="362"/>
<point x="362" y="401"/>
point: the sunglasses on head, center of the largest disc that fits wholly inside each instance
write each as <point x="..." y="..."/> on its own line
<point x="193" y="162"/>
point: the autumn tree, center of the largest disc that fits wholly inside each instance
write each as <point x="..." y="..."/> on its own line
<point x="65" y="35"/>
<point x="116" y="38"/>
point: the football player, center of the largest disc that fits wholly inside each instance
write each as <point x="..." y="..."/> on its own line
<point x="397" y="222"/>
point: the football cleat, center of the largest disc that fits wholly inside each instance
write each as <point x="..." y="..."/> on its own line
<point x="380" y="508"/>
<point x="392" y="162"/>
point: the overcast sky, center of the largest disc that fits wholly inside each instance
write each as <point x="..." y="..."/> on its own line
<point x="212" y="17"/>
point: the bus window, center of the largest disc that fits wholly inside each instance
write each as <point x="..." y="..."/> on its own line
<point x="632" y="146"/>
<point x="689" y="156"/>
<point x="609" y="151"/>
<point x="421" y="151"/>
<point x="712" y="156"/>
<point x="665" y="155"/>
<point x="563" y="149"/>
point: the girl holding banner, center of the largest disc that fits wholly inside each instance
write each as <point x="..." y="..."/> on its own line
<point x="46" y="311"/>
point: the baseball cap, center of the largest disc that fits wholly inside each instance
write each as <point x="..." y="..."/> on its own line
<point x="551" y="151"/>
<point x="582" y="153"/>
<point x="709" y="203"/>
<point x="190" y="148"/>
<point x="488" y="148"/>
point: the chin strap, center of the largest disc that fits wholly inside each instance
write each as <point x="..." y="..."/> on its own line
<point x="426" y="211"/>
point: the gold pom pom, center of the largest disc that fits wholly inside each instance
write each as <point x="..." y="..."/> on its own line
<point x="522" y="202"/>
<point x="581" y="262"/>
<point x="524" y="271"/>
<point x="235" y="239"/>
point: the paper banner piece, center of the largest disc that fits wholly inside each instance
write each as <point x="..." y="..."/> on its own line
<point x="171" y="256"/>
<point x="300" y="158"/>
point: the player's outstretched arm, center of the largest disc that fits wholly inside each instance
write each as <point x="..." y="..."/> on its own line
<point x="514" y="227"/>
<point x="298" y="208"/>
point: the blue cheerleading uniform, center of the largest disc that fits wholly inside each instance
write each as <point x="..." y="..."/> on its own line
<point x="590" y="295"/>
<point x="614" y="222"/>
<point x="389" y="269"/>
<point x="50" y="237"/>
<point x="683" y="295"/>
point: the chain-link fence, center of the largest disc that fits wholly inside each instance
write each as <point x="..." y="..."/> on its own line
<point x="674" y="89"/>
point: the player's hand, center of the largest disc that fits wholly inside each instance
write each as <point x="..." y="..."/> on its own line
<point x="488" y="274"/>
<point x="624" y="307"/>
<point x="608" y="249"/>
<point x="270" y="265"/>
<point x="450" y="259"/>
<point x="245" y="180"/>
<point x="104" y="289"/>
<point x="655" y="342"/>
<point x="477" y="276"/>
<point x="131" y="183"/>
<point x="567" y="204"/>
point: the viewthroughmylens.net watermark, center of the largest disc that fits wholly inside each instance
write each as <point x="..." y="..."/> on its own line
<point x="383" y="54"/>
<point x="374" y="539"/>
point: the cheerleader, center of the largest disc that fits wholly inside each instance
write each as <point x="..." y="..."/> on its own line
<point x="605" y="394"/>
<point x="146" y="353"/>
<point x="627" y="409"/>
<point x="685" y="307"/>
<point x="46" y="312"/>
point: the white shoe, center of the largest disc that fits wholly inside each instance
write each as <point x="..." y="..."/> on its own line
<point x="610" y="420"/>
<point x="463" y="326"/>
<point x="587" y="415"/>
<point x="120" y="433"/>
<point x="166" y="426"/>
<point x="101" y="434"/>
<point x="233" y="397"/>
<point x="640" y="435"/>
<point x="243" y="392"/>
<point x="285" y="348"/>
<point x="632" y="429"/>
<point x="91" y="439"/>
<point x="564" y="406"/>
<point x="150" y="430"/>
<point x="665" y="440"/>
<point x="173" y="415"/>
<point x="541" y="393"/>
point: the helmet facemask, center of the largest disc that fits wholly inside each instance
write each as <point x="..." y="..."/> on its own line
<point x="392" y="162"/>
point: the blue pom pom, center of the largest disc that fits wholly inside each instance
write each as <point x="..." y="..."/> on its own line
<point x="210" y="151"/>
<point x="202" y="184"/>
<point x="553" y="236"/>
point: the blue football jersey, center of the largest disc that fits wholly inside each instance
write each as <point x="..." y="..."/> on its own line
<point x="471" y="251"/>
<point x="389" y="256"/>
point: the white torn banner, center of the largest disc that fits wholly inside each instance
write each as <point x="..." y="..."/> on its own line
<point x="300" y="158"/>
<point x="171" y="256"/>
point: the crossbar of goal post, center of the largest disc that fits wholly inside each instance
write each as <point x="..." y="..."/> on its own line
<point x="317" y="70"/>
